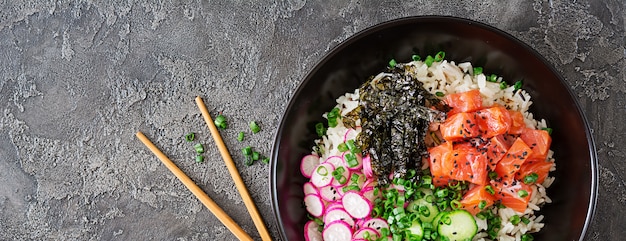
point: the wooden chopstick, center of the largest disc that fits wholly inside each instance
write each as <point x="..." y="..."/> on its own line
<point x="201" y="195"/>
<point x="247" y="200"/>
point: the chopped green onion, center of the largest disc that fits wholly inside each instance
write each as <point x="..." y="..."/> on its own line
<point x="342" y="147"/>
<point x="522" y="193"/>
<point x="527" y="237"/>
<point x="482" y="204"/>
<point x="493" y="175"/>
<point x="424" y="211"/>
<point x="199" y="148"/>
<point x="490" y="190"/>
<point x="351" y="188"/>
<point x="415" y="57"/>
<point x="247" y="151"/>
<point x="525" y="220"/>
<point x="392" y="63"/>
<point x="441" y="193"/>
<point x="478" y="70"/>
<point x="199" y="159"/>
<point x="503" y="85"/>
<point x="352" y="147"/>
<point x="265" y="160"/>
<point x="240" y="136"/>
<point x="481" y="216"/>
<point x="332" y="117"/>
<point x="322" y="170"/>
<point x="455" y="204"/>
<point x="190" y="137"/>
<point x="518" y="85"/>
<point x="429" y="60"/>
<point x="248" y="161"/>
<point x="351" y="160"/>
<point x="515" y="219"/>
<point x="220" y="122"/>
<point x="254" y="127"/>
<point x="255" y="156"/>
<point x="439" y="56"/>
<point x="531" y="178"/>
<point x="439" y="94"/>
<point x="548" y="129"/>
<point x="320" y="129"/>
<point x="492" y="78"/>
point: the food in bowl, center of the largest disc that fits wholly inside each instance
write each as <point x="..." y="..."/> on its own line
<point x="429" y="150"/>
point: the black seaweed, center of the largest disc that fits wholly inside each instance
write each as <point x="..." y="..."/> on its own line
<point x="395" y="112"/>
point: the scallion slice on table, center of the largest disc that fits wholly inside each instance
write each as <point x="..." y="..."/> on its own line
<point x="199" y="159"/>
<point x="240" y="136"/>
<point x="220" y="122"/>
<point x="190" y="137"/>
<point x="199" y="148"/>
<point x="254" y="127"/>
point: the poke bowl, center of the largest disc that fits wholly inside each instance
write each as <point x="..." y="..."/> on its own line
<point x="563" y="200"/>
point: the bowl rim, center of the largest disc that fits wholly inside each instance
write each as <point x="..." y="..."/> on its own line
<point x="438" y="18"/>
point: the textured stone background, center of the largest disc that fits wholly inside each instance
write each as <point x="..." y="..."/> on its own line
<point x="79" y="78"/>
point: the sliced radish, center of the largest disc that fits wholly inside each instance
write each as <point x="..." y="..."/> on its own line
<point x="370" y="193"/>
<point x="331" y="193"/>
<point x="309" y="188"/>
<point x="337" y="231"/>
<point x="356" y="205"/>
<point x="335" y="160"/>
<point x="308" y="164"/>
<point x="351" y="134"/>
<point x="333" y="205"/>
<point x="367" y="166"/>
<point x="362" y="233"/>
<point x="322" y="176"/>
<point x="314" y="205"/>
<point x="376" y="223"/>
<point x="339" y="214"/>
<point x="312" y="232"/>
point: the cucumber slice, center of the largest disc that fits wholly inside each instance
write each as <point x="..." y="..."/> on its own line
<point x="416" y="232"/>
<point x="458" y="225"/>
<point x="437" y="219"/>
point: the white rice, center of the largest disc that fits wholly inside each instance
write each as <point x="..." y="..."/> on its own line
<point x="448" y="78"/>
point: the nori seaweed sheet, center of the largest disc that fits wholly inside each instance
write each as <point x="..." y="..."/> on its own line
<point x="395" y="113"/>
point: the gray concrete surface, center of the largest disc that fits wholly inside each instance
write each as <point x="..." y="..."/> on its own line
<point x="79" y="78"/>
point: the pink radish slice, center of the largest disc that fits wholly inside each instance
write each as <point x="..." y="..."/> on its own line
<point x="312" y="232"/>
<point x="314" y="205"/>
<point x="309" y="188"/>
<point x="367" y="166"/>
<point x="331" y="193"/>
<point x="339" y="214"/>
<point x="322" y="175"/>
<point x="337" y="231"/>
<point x="370" y="193"/>
<point x="376" y="223"/>
<point x="335" y="160"/>
<point x="356" y="205"/>
<point x="344" y="179"/>
<point x="334" y="205"/>
<point x="308" y="164"/>
<point x="350" y="135"/>
<point x="361" y="233"/>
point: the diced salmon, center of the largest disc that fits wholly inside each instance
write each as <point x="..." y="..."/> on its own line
<point x="538" y="140"/>
<point x="464" y="101"/>
<point x="513" y="159"/>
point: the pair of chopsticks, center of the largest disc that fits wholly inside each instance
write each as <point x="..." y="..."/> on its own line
<point x="201" y="195"/>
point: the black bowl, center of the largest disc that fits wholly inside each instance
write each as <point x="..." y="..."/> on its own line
<point x="368" y="52"/>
